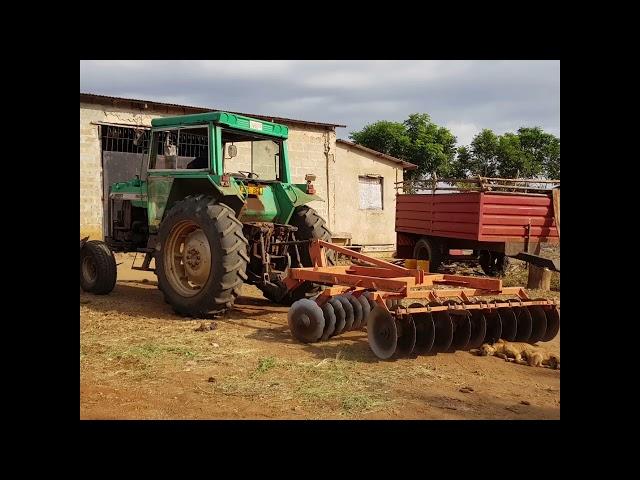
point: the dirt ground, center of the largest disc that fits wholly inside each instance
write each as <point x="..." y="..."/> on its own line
<point x="138" y="360"/>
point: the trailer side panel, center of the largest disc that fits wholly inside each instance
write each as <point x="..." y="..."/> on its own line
<point x="505" y="218"/>
<point x="448" y="215"/>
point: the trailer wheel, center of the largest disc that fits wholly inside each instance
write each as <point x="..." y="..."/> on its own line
<point x="494" y="264"/>
<point x="201" y="256"/>
<point x="428" y="249"/>
<point x="98" y="269"/>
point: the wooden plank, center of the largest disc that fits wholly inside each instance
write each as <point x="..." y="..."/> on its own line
<point x="556" y="208"/>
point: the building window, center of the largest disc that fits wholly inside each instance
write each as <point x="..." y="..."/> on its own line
<point x="125" y="139"/>
<point x="370" y="187"/>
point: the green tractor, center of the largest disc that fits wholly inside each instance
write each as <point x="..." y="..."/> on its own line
<point x="215" y="207"/>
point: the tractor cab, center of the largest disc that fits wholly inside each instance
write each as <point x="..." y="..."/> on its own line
<point x="212" y="180"/>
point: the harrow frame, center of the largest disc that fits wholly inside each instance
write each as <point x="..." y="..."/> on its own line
<point x="391" y="327"/>
<point x="387" y="281"/>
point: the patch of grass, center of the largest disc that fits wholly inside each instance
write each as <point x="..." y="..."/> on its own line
<point x="360" y="402"/>
<point x="265" y="364"/>
<point x="149" y="351"/>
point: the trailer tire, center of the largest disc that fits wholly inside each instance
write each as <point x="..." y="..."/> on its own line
<point x="494" y="264"/>
<point x="188" y="224"/>
<point x="428" y="249"/>
<point x="98" y="270"/>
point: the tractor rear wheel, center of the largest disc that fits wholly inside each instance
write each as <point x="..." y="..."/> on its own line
<point x="201" y="256"/>
<point x="310" y="226"/>
<point x="98" y="269"/>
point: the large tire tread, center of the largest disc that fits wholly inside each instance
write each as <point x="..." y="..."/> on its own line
<point x="228" y="249"/>
<point x="105" y="265"/>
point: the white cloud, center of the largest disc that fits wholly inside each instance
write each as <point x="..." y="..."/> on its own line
<point x="465" y="96"/>
<point x="463" y="131"/>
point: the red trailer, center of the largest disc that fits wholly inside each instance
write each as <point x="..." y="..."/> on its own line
<point x="494" y="218"/>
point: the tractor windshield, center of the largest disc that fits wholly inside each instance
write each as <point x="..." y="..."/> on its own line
<point x="248" y="155"/>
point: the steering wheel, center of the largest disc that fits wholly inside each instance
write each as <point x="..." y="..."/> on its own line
<point x="249" y="174"/>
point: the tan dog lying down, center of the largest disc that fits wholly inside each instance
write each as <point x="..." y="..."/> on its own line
<point x="521" y="353"/>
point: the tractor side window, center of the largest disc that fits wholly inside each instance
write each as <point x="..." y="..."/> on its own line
<point x="193" y="148"/>
<point x="164" y="152"/>
<point x="180" y="149"/>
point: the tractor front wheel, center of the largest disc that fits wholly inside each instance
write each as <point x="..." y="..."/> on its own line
<point x="98" y="268"/>
<point x="201" y="256"/>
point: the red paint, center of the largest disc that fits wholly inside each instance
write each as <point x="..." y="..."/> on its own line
<point x="480" y="216"/>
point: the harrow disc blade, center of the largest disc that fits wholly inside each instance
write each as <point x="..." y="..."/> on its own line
<point x="406" y="335"/>
<point x="461" y="327"/>
<point x="366" y="309"/>
<point x="478" y="329"/>
<point x="382" y="333"/>
<point x="329" y="321"/>
<point x="425" y="330"/>
<point x="369" y="297"/>
<point x="306" y="320"/>
<point x="348" y="312"/>
<point x="340" y="316"/>
<point x="358" y="319"/>
<point x="539" y="323"/>
<point x="524" y="325"/>
<point x="553" y="323"/>
<point x="494" y="326"/>
<point x="444" y="330"/>
<point x="509" y="324"/>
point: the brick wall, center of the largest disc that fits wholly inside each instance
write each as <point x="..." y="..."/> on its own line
<point x="308" y="149"/>
<point x="367" y="227"/>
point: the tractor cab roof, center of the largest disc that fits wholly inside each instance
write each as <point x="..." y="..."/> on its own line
<point x="227" y="119"/>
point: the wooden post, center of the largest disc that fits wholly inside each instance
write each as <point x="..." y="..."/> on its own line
<point x="539" y="278"/>
<point x="556" y="208"/>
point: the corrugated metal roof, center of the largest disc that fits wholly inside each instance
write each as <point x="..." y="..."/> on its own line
<point x="405" y="165"/>
<point x="95" y="98"/>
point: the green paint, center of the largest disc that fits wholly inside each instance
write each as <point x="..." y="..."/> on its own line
<point x="164" y="188"/>
<point x="159" y="188"/>
<point x="231" y="120"/>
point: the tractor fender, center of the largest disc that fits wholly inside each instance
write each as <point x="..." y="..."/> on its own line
<point x="298" y="195"/>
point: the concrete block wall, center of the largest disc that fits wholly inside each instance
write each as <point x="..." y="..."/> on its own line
<point x="310" y="151"/>
<point x="91" y="159"/>
<point x="309" y="148"/>
<point x="368" y="227"/>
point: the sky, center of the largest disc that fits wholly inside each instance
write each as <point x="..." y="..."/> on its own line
<point x="464" y="96"/>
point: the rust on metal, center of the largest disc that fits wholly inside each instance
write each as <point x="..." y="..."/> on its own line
<point x="450" y="317"/>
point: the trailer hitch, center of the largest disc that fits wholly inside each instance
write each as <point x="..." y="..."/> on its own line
<point x="538" y="261"/>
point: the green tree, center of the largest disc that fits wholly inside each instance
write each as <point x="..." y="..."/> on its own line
<point x="480" y="158"/>
<point x="543" y="150"/>
<point x="417" y="140"/>
<point x="530" y="152"/>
